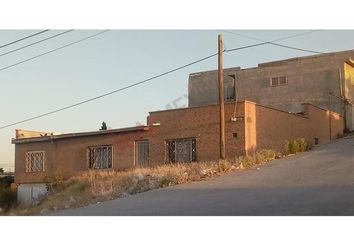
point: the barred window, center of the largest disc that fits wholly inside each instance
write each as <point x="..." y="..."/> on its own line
<point x="182" y="150"/>
<point x="35" y="161"/>
<point x="277" y="81"/>
<point x="282" y="80"/>
<point x="100" y="157"/>
<point x="274" y="81"/>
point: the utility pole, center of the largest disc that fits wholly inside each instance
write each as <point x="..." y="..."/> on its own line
<point x="330" y="115"/>
<point x="221" y="97"/>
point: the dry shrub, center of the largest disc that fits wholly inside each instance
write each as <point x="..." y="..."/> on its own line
<point x="223" y="166"/>
<point x="296" y="145"/>
<point x="100" y="185"/>
<point x="260" y="157"/>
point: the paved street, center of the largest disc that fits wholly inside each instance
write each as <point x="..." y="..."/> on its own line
<point x="319" y="182"/>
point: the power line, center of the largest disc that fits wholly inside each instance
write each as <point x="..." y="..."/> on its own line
<point x="21" y="39"/>
<point x="296" y="48"/>
<point x="296" y="35"/>
<point x="279" y="39"/>
<point x="112" y="92"/>
<point x="275" y="40"/>
<point x="54" y="50"/>
<point x="45" y="39"/>
<point x="245" y="47"/>
<point x="132" y="85"/>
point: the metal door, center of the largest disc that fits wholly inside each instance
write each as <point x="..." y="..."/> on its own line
<point x="142" y="153"/>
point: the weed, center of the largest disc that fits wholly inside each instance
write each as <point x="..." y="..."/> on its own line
<point x="295" y="146"/>
<point x="224" y="166"/>
<point x="7" y="197"/>
<point x="261" y="157"/>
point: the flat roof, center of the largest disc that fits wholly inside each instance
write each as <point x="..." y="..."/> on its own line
<point x="276" y="62"/>
<point x="78" y="134"/>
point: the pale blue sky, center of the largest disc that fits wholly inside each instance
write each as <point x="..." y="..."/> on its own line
<point x="116" y="59"/>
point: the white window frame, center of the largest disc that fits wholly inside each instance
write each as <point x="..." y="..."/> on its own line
<point x="30" y="166"/>
<point x="90" y="148"/>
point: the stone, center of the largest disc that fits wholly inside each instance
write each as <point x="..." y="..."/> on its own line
<point x="241" y="167"/>
<point x="153" y="184"/>
<point x="72" y="199"/>
<point x="125" y="194"/>
<point x="205" y="172"/>
<point x="139" y="176"/>
<point x="44" y="210"/>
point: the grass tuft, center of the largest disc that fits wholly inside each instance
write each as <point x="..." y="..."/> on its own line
<point x="296" y="145"/>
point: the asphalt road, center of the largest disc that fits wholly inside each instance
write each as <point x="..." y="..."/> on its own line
<point x="319" y="182"/>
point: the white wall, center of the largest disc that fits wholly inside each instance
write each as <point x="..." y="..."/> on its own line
<point x="31" y="193"/>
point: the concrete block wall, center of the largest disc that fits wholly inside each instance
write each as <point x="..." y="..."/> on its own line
<point x="309" y="80"/>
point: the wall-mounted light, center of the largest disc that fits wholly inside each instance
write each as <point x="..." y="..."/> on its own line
<point x="237" y="119"/>
<point x="156" y="124"/>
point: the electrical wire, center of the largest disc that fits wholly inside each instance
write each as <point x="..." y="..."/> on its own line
<point x="296" y="35"/>
<point x="21" y="39"/>
<point x="45" y="39"/>
<point x="110" y="93"/>
<point x="54" y="50"/>
<point x="279" y="39"/>
<point x="123" y="88"/>
<point x="245" y="47"/>
<point x="296" y="48"/>
<point x="275" y="40"/>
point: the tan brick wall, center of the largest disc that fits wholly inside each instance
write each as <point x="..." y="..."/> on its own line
<point x="270" y="128"/>
<point x="20" y="161"/>
<point x="201" y="123"/>
<point x="68" y="156"/>
<point x="257" y="128"/>
<point x="320" y="123"/>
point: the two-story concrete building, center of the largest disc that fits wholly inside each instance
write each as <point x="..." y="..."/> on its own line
<point x="285" y="84"/>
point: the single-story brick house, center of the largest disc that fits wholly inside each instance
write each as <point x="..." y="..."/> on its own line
<point x="177" y="135"/>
